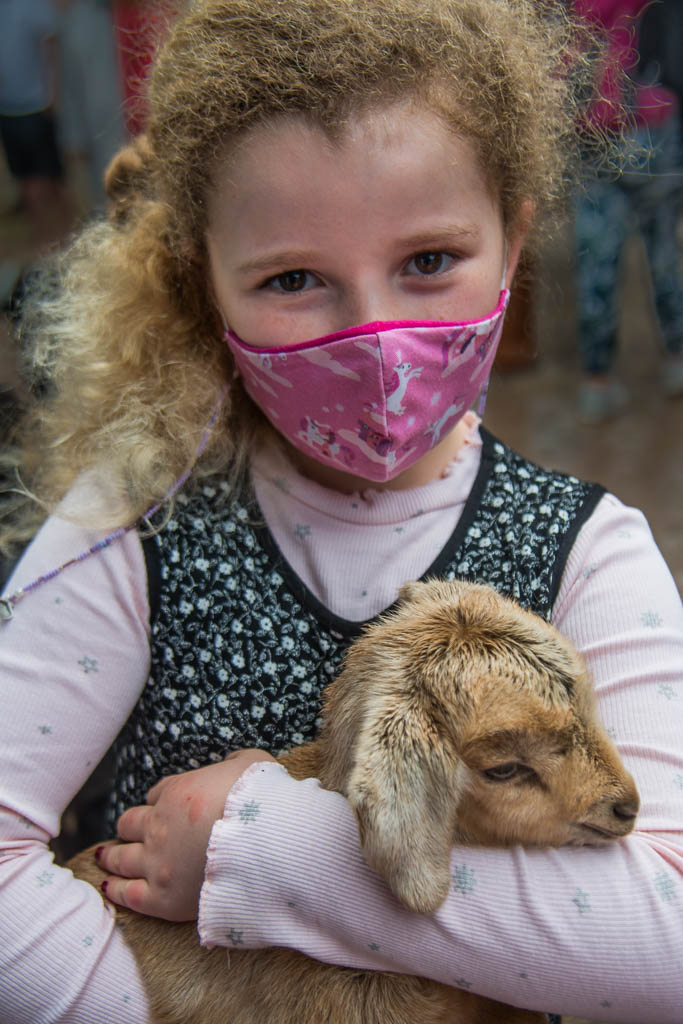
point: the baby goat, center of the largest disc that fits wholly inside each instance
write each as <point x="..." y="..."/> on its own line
<point x="458" y="717"/>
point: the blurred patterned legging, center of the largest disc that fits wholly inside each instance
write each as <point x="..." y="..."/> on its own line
<point x="607" y="211"/>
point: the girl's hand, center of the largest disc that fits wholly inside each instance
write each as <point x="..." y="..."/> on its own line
<point x="159" y="869"/>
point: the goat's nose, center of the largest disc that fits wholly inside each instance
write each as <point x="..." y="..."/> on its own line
<point x="625" y="811"/>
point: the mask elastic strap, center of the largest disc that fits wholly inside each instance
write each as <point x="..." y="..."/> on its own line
<point x="483" y="394"/>
<point x="503" y="285"/>
<point x="7" y="604"/>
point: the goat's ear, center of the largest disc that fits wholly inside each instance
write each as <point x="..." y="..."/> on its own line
<point x="404" y="789"/>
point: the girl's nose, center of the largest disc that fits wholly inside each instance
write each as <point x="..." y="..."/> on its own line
<point x="369" y="303"/>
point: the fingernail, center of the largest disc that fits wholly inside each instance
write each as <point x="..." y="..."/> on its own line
<point x="103" y="886"/>
<point x="98" y="852"/>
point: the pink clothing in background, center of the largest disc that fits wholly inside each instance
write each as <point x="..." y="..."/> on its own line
<point x="652" y="104"/>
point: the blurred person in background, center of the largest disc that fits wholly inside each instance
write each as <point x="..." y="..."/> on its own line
<point x="91" y="111"/>
<point x="660" y="45"/>
<point x="611" y="205"/>
<point x="140" y="25"/>
<point x="28" y="99"/>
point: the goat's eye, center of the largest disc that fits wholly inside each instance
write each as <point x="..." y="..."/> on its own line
<point x="504" y="772"/>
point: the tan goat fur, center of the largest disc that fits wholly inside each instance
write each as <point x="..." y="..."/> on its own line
<point x="458" y="717"/>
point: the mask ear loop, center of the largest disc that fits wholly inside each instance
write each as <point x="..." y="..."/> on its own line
<point x="483" y="394"/>
<point x="7" y="604"/>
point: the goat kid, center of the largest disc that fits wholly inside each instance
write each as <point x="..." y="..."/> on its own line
<point x="458" y="717"/>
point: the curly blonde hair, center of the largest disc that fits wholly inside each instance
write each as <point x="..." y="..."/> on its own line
<point x="130" y="336"/>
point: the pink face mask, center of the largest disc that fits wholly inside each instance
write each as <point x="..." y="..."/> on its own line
<point x="372" y="400"/>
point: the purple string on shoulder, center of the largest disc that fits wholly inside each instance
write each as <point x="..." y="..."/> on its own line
<point x="7" y="604"/>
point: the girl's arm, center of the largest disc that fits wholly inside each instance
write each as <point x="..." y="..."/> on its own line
<point x="583" y="931"/>
<point x="73" y="661"/>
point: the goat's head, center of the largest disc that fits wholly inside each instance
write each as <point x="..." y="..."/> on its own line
<point x="461" y="716"/>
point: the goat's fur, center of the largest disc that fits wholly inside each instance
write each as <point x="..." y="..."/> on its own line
<point x="455" y="683"/>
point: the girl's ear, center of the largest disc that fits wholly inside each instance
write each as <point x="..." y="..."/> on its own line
<point x="516" y="236"/>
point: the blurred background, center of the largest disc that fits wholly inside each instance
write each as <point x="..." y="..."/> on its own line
<point x="608" y="409"/>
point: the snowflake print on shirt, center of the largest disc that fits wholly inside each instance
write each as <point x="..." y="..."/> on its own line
<point x="464" y="879"/>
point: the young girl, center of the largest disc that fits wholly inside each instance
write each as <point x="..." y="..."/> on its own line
<point x="299" y="295"/>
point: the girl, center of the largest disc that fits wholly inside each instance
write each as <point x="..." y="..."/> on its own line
<point x="299" y="295"/>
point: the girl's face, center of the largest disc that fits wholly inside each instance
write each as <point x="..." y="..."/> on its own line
<point x="393" y="221"/>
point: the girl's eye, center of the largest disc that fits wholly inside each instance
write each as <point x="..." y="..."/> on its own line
<point x="290" y="281"/>
<point x="428" y="263"/>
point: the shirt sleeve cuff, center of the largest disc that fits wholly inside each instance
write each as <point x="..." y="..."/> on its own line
<point x="247" y="901"/>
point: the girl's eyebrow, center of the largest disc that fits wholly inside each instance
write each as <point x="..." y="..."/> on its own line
<point x="447" y="234"/>
<point x="292" y="259"/>
<point x="443" y="234"/>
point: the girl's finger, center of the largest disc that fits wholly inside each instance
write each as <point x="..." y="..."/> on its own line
<point x="125" y="859"/>
<point x="131" y="826"/>
<point x="131" y="893"/>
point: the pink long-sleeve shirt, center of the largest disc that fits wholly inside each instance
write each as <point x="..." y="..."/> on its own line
<point x="652" y="104"/>
<point x="591" y="932"/>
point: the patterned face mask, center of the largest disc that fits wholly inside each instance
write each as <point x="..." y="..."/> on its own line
<point x="372" y="400"/>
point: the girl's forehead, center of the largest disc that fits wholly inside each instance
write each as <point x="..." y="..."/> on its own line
<point x="404" y="136"/>
<point x="387" y="124"/>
